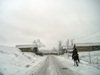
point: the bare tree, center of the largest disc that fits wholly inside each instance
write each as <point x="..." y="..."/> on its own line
<point x="60" y="47"/>
<point x="67" y="43"/>
<point x="38" y="43"/>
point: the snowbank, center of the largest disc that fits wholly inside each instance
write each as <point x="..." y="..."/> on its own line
<point x="84" y="68"/>
<point x="94" y="56"/>
<point x="15" y="62"/>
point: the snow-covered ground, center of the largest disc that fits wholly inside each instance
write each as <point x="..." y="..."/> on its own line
<point x="15" y="62"/>
<point x="92" y="57"/>
<point x="85" y="67"/>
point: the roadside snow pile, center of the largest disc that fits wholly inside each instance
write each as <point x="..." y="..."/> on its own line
<point x="15" y="62"/>
<point x="84" y="68"/>
<point x="91" y="57"/>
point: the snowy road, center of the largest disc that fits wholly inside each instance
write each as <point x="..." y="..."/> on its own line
<point x="52" y="66"/>
<point x="14" y="62"/>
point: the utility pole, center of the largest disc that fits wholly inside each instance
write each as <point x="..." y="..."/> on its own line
<point x="72" y="43"/>
<point x="60" y="47"/>
<point x="67" y="43"/>
<point x="90" y="56"/>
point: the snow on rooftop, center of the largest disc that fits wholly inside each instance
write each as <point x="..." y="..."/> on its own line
<point x="87" y="44"/>
<point x="25" y="46"/>
<point x="29" y="46"/>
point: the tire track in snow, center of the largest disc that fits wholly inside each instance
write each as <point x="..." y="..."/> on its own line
<point x="52" y="66"/>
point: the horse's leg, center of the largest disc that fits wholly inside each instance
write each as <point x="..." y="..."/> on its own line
<point x="74" y="62"/>
<point x="77" y="62"/>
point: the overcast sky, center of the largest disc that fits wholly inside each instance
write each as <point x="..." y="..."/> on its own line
<point x="22" y="21"/>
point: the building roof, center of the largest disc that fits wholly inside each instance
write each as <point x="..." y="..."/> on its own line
<point x="87" y="44"/>
<point x="24" y="46"/>
<point x="29" y="46"/>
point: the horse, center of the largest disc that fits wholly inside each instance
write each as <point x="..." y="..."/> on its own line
<point x="75" y="56"/>
<point x="76" y="59"/>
